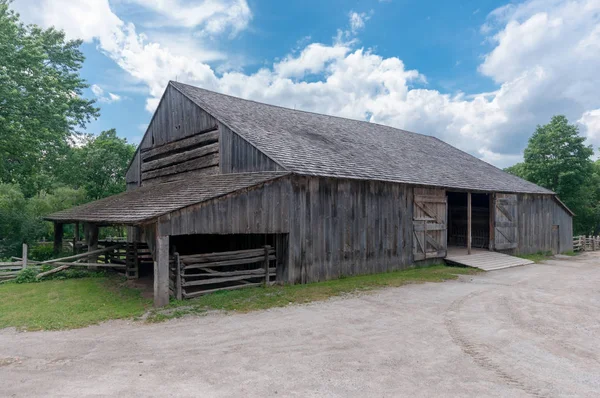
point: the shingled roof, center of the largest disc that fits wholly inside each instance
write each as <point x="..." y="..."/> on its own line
<point x="148" y="202"/>
<point x="314" y="144"/>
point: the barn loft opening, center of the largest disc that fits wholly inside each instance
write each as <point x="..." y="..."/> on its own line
<point x="457" y="220"/>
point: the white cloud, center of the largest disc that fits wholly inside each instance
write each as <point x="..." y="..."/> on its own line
<point x="590" y="121"/>
<point x="99" y="93"/>
<point x="544" y="60"/>
<point x="212" y="16"/>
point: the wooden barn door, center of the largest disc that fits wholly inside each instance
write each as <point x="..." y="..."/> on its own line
<point x="505" y="222"/>
<point x="429" y="223"/>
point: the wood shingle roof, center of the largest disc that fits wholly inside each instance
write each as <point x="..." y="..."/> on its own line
<point x="148" y="202"/>
<point x="314" y="144"/>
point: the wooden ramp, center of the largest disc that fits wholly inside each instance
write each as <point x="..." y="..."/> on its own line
<point x="486" y="260"/>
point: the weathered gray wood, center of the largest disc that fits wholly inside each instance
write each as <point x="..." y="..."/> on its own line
<point x="90" y="265"/>
<point x="208" y="137"/>
<point x="53" y="271"/>
<point x="180" y="157"/>
<point x="239" y="156"/>
<point x="24" y="255"/>
<point x="249" y="260"/>
<point x="506" y="222"/>
<point x="266" y="264"/>
<point x="203" y="292"/>
<point x="92" y="243"/>
<point x="469" y="223"/>
<point x="211" y="272"/>
<point x="81" y="255"/>
<point x="179" y="289"/>
<point x="75" y="236"/>
<point x="194" y="164"/>
<point x="212" y="281"/>
<point x="229" y="255"/>
<point x="58" y="237"/>
<point x="161" y="272"/>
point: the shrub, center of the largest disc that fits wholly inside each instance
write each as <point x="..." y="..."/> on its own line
<point x="27" y="275"/>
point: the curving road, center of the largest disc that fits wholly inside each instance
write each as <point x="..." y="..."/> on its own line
<point x="528" y="331"/>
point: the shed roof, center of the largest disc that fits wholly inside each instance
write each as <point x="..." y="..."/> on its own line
<point x="314" y="144"/>
<point x="148" y="202"/>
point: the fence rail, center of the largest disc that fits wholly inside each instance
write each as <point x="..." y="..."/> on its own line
<point x="197" y="274"/>
<point x="586" y="243"/>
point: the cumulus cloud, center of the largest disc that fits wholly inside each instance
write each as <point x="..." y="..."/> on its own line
<point x="101" y="97"/>
<point x="543" y="60"/>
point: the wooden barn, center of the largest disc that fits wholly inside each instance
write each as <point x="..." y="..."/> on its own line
<point x="226" y="191"/>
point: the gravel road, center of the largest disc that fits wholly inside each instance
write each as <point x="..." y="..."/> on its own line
<point x="527" y="331"/>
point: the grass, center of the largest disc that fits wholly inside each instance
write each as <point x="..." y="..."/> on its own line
<point x="251" y="299"/>
<point x="66" y="304"/>
<point x="74" y="303"/>
<point x="541" y="256"/>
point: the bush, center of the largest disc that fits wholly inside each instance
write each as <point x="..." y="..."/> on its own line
<point x="43" y="252"/>
<point x="27" y="275"/>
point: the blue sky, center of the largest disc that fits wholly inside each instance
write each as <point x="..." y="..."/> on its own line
<point x="478" y="74"/>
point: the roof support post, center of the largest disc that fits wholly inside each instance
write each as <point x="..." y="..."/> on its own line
<point x="75" y="236"/>
<point x="58" y="237"/>
<point x="469" y="230"/>
<point x="161" y="271"/>
<point x="92" y="241"/>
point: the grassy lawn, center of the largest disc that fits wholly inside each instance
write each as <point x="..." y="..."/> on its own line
<point x="251" y="299"/>
<point x="541" y="256"/>
<point x="65" y="304"/>
<point x="73" y="303"/>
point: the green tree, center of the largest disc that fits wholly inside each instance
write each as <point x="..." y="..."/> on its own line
<point x="41" y="103"/>
<point x="99" y="165"/>
<point x="557" y="158"/>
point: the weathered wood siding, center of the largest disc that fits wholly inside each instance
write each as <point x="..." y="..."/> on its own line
<point x="334" y="227"/>
<point x="239" y="156"/>
<point x="348" y="227"/>
<point x="537" y="215"/>
<point x="132" y="177"/>
<point x="258" y="210"/>
<point x="181" y="140"/>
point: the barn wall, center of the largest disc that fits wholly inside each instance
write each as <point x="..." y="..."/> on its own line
<point x="537" y="215"/>
<point x="239" y="156"/>
<point x="172" y="141"/>
<point x="334" y="227"/>
<point x="260" y="209"/>
<point x="348" y="227"/>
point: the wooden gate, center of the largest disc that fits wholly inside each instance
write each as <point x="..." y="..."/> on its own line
<point x="429" y="223"/>
<point x="505" y="222"/>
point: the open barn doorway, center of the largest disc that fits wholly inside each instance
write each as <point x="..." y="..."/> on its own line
<point x="458" y="221"/>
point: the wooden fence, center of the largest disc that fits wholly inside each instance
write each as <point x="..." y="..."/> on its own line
<point x="10" y="270"/>
<point x="197" y="274"/>
<point x="586" y="243"/>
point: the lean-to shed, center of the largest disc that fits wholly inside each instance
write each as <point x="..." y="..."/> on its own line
<point x="331" y="196"/>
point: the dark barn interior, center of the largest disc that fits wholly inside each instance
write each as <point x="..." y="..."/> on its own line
<point x="457" y="219"/>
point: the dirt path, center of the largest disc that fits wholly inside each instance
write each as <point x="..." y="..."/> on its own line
<point x="528" y="331"/>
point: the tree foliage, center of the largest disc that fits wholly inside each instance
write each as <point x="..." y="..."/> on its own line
<point x="99" y="165"/>
<point x="41" y="102"/>
<point x="557" y="158"/>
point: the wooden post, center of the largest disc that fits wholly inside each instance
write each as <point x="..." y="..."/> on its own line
<point x="161" y="272"/>
<point x="267" y="248"/>
<point x="75" y="237"/>
<point x="24" y="255"/>
<point x="593" y="243"/>
<point x="58" y="237"/>
<point x="179" y="292"/>
<point x="468" y="222"/>
<point x="92" y="242"/>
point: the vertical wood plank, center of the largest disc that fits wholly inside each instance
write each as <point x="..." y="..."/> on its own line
<point x="24" y="255"/>
<point x="161" y="272"/>
<point x="58" y="237"/>
<point x="75" y="237"/>
<point x="92" y="241"/>
<point x="468" y="222"/>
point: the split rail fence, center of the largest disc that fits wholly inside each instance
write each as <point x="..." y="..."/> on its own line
<point x="197" y="274"/>
<point x="586" y="243"/>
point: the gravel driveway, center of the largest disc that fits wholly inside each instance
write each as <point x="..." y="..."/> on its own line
<point x="528" y="331"/>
